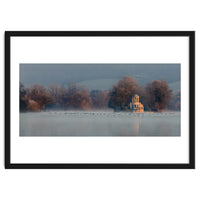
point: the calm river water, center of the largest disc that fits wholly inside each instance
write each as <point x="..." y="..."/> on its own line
<point x="75" y="123"/>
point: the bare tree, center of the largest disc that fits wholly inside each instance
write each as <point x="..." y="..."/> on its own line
<point x="62" y="96"/>
<point x="23" y="98"/>
<point x="53" y="90"/>
<point x="99" y="98"/>
<point x="175" y="102"/>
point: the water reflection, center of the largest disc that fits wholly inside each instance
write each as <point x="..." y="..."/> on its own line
<point x="136" y="126"/>
<point x="99" y="124"/>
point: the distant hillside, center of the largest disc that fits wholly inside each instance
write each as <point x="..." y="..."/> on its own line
<point x="106" y="84"/>
<point x="98" y="76"/>
<point x="175" y="86"/>
<point x="100" y="84"/>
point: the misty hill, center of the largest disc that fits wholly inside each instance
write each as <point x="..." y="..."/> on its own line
<point x="103" y="84"/>
<point x="98" y="76"/>
<point x="175" y="86"/>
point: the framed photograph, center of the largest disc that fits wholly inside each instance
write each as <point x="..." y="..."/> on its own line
<point x="100" y="99"/>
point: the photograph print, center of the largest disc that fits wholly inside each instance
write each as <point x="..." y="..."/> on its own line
<point x="99" y="100"/>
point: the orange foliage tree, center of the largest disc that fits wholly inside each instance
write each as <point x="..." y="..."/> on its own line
<point x="39" y="94"/>
<point x="74" y="97"/>
<point x="121" y="93"/>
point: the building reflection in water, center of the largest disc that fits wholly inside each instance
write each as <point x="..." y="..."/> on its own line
<point x="136" y="126"/>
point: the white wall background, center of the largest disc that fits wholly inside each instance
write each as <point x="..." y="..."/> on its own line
<point x="99" y="15"/>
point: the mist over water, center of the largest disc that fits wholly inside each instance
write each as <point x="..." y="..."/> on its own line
<point x="99" y="123"/>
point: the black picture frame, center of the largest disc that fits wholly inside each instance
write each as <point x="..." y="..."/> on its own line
<point x="189" y="34"/>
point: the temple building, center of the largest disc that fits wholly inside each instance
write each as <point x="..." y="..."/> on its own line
<point x="135" y="105"/>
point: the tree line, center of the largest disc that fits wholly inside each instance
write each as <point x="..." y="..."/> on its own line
<point x="155" y="96"/>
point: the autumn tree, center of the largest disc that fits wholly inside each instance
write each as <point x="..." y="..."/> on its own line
<point x="82" y="100"/>
<point x="121" y="93"/>
<point x="39" y="94"/>
<point x="33" y="106"/>
<point x="77" y="97"/>
<point x="74" y="97"/>
<point x="62" y="96"/>
<point x="99" y="99"/>
<point x="157" y="95"/>
<point x="53" y="91"/>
